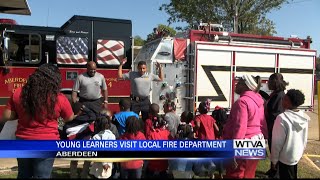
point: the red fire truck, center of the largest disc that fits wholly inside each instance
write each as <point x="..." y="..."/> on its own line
<point x="80" y="39"/>
<point x="204" y="63"/>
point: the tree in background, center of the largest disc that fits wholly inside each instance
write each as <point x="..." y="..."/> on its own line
<point x="161" y="31"/>
<point x="248" y="15"/>
<point x="318" y="68"/>
<point x="138" y="41"/>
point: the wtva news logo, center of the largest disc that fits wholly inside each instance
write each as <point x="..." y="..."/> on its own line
<point x="249" y="149"/>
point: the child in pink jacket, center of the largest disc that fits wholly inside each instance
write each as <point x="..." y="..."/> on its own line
<point x="246" y="121"/>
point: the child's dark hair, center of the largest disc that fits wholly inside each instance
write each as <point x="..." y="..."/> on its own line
<point x="76" y="107"/>
<point x="125" y="104"/>
<point x="296" y="97"/>
<point x="187" y="117"/>
<point x="159" y="122"/>
<point x="185" y="132"/>
<point x="221" y="116"/>
<point x="154" y="109"/>
<point x="203" y="107"/>
<point x="278" y="82"/>
<point x="102" y="122"/>
<point x="133" y="125"/>
<point x="258" y="81"/>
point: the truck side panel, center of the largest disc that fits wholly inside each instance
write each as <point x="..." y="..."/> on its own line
<point x="254" y="63"/>
<point x="216" y="74"/>
<point x="298" y="71"/>
<point x="213" y="75"/>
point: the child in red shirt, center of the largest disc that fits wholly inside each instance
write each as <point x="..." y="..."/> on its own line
<point x="153" y="114"/>
<point x="132" y="169"/>
<point x="205" y="124"/>
<point x="159" y="132"/>
<point x="186" y="119"/>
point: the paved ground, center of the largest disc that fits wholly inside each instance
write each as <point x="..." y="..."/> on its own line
<point x="312" y="153"/>
<point x="313" y="149"/>
<point x="313" y="133"/>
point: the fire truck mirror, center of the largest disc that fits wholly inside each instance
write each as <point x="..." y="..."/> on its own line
<point x="5" y="50"/>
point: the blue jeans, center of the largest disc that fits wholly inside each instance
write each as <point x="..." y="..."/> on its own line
<point x="38" y="168"/>
<point x="131" y="173"/>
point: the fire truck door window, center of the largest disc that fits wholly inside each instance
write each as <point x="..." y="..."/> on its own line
<point x="109" y="52"/>
<point x="164" y="55"/>
<point x="24" y="48"/>
<point x="72" y="50"/>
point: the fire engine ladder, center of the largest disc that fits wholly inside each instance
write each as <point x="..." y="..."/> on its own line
<point x="290" y="43"/>
<point x="190" y="99"/>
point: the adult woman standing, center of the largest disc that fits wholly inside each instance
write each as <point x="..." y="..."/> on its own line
<point x="274" y="106"/>
<point x="38" y="105"/>
<point x="246" y="121"/>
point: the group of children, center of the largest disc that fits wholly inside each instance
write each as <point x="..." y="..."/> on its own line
<point x="126" y="125"/>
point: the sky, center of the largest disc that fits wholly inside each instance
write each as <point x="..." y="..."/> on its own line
<point x="300" y="18"/>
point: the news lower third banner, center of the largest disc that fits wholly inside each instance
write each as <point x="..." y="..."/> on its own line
<point x="142" y="149"/>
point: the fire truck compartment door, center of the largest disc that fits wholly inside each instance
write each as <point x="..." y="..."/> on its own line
<point x="217" y="67"/>
<point x="213" y="75"/>
<point x="299" y="71"/>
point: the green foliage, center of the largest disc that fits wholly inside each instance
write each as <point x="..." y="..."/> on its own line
<point x="262" y="27"/>
<point x="161" y="30"/>
<point x="251" y="13"/>
<point x="138" y="41"/>
<point x="318" y="60"/>
<point x="170" y="30"/>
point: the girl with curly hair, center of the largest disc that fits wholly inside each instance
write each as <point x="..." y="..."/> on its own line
<point x="37" y="106"/>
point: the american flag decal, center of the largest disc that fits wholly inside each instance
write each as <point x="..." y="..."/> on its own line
<point x="72" y="50"/>
<point x="109" y="52"/>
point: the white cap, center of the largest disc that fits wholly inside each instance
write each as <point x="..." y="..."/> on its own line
<point x="250" y="82"/>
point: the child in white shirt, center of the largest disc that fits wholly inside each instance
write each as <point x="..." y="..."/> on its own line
<point x="102" y="170"/>
<point x="290" y="133"/>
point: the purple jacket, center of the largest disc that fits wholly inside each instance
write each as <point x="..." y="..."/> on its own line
<point x="246" y="118"/>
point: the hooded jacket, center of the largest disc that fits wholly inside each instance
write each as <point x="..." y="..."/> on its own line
<point x="246" y="118"/>
<point x="289" y="139"/>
